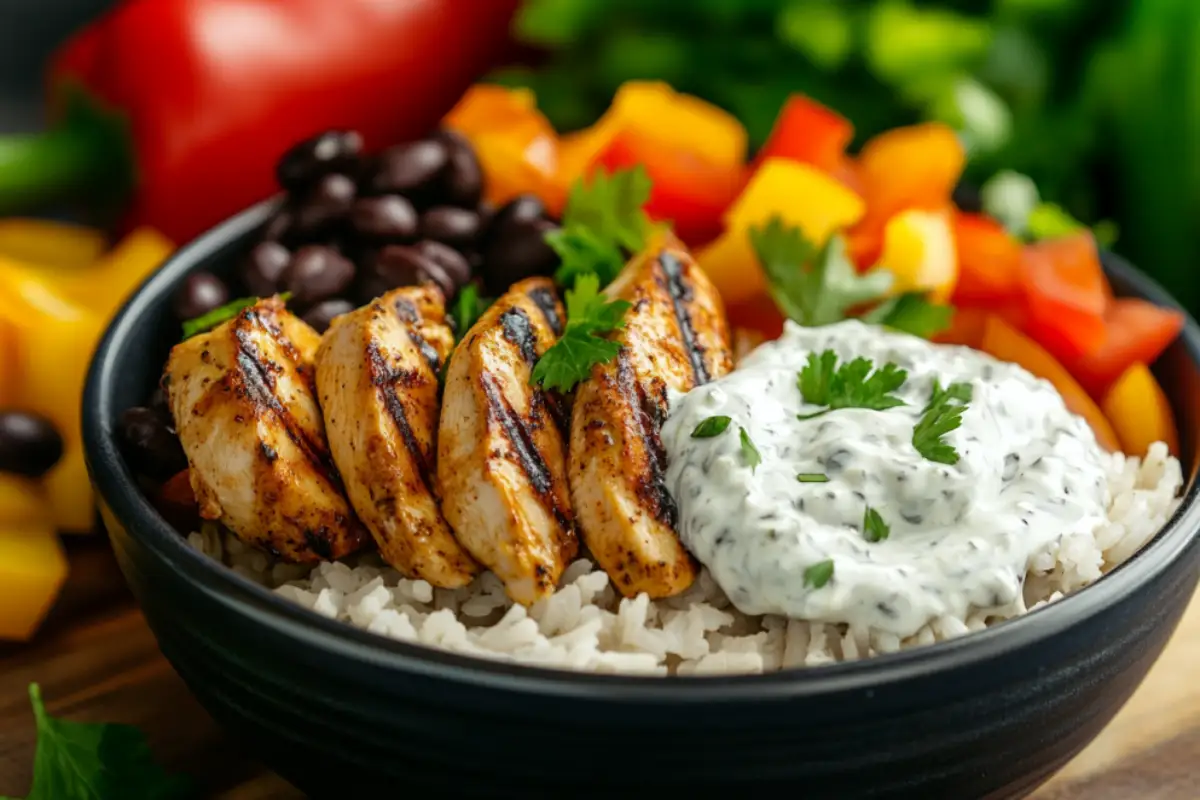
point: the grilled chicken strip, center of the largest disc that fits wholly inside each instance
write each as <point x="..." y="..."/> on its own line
<point x="501" y="448"/>
<point x="377" y="378"/>
<point x="675" y="336"/>
<point x="242" y="395"/>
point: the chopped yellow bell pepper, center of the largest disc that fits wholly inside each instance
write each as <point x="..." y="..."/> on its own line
<point x="1139" y="411"/>
<point x="918" y="249"/>
<point x="33" y="567"/>
<point x="48" y="243"/>
<point x="72" y="502"/>
<point x="22" y="503"/>
<point x="105" y="285"/>
<point x="698" y="127"/>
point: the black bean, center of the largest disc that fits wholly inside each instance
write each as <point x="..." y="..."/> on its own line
<point x="29" y="444"/>
<point x="317" y="273"/>
<point x="328" y="202"/>
<point x="524" y="208"/>
<point x="200" y="293"/>
<point x="400" y="265"/>
<point x="518" y="252"/>
<point x="966" y="197"/>
<point x="456" y="227"/>
<point x="386" y="218"/>
<point x="462" y="182"/>
<point x="262" y="271"/>
<point x="319" y="316"/>
<point x="411" y="167"/>
<point x="452" y="262"/>
<point x="150" y="443"/>
<point x="279" y="227"/>
<point x="307" y="161"/>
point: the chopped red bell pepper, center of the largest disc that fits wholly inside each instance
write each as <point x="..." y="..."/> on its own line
<point x="809" y="132"/>
<point x="989" y="261"/>
<point x="1135" y="331"/>
<point x="1066" y="295"/>
<point x="180" y="108"/>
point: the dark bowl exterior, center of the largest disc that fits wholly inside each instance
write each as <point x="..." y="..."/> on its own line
<point x="344" y="714"/>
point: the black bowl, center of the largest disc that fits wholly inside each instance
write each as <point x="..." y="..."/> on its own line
<point x="343" y="713"/>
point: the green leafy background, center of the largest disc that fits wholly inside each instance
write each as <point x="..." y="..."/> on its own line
<point x="1097" y="100"/>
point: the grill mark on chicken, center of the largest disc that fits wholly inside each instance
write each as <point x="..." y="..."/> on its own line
<point x="519" y="333"/>
<point x="259" y="383"/>
<point x="407" y="312"/>
<point x="528" y="457"/>
<point x="646" y="415"/>
<point x="681" y="292"/>
<point x="385" y="382"/>
<point x="543" y="297"/>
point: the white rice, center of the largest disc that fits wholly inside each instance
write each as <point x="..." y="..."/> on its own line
<point x="586" y="625"/>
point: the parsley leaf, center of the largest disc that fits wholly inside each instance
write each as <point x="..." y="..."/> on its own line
<point x="852" y="385"/>
<point x="467" y="308"/>
<point x="911" y="312"/>
<point x="818" y="574"/>
<point x="571" y="358"/>
<point x="749" y="451"/>
<point x="210" y="320"/>
<point x="812" y="477"/>
<point x="78" y="761"/>
<point x="710" y="427"/>
<point x="942" y="415"/>
<point x="603" y="222"/>
<point x="874" y="528"/>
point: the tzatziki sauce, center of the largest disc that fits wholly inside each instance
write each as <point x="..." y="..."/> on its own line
<point x="787" y="535"/>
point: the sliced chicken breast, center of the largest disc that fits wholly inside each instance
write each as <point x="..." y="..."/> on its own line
<point x="675" y="336"/>
<point x="246" y="411"/>
<point x="377" y="379"/>
<point x="501" y="446"/>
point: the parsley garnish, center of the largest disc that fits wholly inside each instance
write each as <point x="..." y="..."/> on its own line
<point x="206" y="322"/>
<point x="812" y="477"/>
<point x="749" y="451"/>
<point x="819" y="286"/>
<point x="603" y="222"/>
<point x="78" y="760"/>
<point x="468" y="307"/>
<point x="571" y="358"/>
<point x="874" y="528"/>
<point x="818" y="574"/>
<point x="942" y="415"/>
<point x="708" y="428"/>
<point x="852" y="385"/>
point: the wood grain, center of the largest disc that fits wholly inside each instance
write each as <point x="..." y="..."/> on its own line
<point x="96" y="661"/>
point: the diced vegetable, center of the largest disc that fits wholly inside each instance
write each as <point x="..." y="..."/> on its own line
<point x="488" y="107"/>
<point x="72" y="502"/>
<point x="966" y="328"/>
<point x="799" y="195"/>
<point x="32" y="563"/>
<point x="1006" y="343"/>
<point x="1138" y="409"/>
<point x="8" y="361"/>
<point x="1134" y="331"/>
<point x="22" y="503"/>
<point x="1065" y="290"/>
<point x="105" y="285"/>
<point x="989" y="261"/>
<point x="808" y="132"/>
<point x="54" y="244"/>
<point x="697" y="127"/>
<point x="918" y="249"/>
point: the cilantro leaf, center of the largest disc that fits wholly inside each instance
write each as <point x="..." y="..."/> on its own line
<point x="602" y="223"/>
<point x="852" y="385"/>
<point x="813" y="286"/>
<point x="468" y="307"/>
<point x="749" y="451"/>
<point x="818" y="574"/>
<point x="942" y="415"/>
<point x="911" y="312"/>
<point x="78" y="761"/>
<point x="874" y="528"/>
<point x="710" y="427"/>
<point x="812" y="477"/>
<point x="581" y="251"/>
<point x="570" y="360"/>
<point x="210" y="320"/>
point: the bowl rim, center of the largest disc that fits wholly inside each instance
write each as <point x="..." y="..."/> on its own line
<point x="118" y="489"/>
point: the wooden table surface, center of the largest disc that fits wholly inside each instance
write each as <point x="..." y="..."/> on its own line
<point x="96" y="661"/>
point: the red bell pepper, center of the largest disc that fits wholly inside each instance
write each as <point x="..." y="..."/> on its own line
<point x="809" y="132"/>
<point x="180" y="108"/>
<point x="1066" y="295"/>
<point x="989" y="261"/>
<point x="1135" y="331"/>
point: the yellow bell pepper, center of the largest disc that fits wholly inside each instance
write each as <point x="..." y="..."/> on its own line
<point x="32" y="563"/>
<point x="53" y="244"/>
<point x="23" y="503"/>
<point x="800" y="195"/>
<point x="8" y="361"/>
<point x="712" y="134"/>
<point x="918" y="249"/>
<point x="105" y="285"/>
<point x="1138" y="409"/>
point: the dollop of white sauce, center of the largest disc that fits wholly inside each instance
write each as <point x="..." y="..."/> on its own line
<point x="961" y="536"/>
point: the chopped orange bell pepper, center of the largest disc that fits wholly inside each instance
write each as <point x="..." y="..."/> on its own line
<point x="809" y="132"/>
<point x="1065" y="290"/>
<point x="1008" y="344"/>
<point x="707" y="132"/>
<point x="918" y="249"/>
<point x="1139" y="411"/>
<point x="989" y="261"/>
<point x="1134" y="331"/>
<point x="48" y="243"/>
<point x="759" y="315"/>
<point x="9" y="372"/>
<point x="487" y="107"/>
<point x="966" y="328"/>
